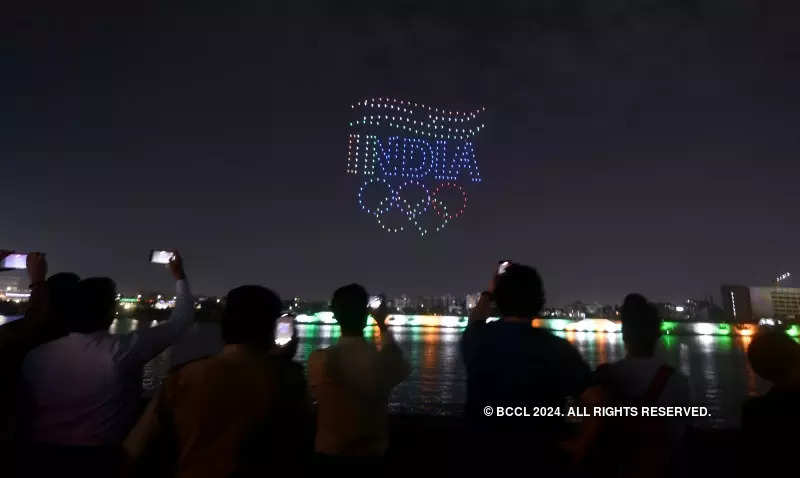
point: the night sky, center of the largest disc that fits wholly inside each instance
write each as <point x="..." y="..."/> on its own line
<point x="651" y="148"/>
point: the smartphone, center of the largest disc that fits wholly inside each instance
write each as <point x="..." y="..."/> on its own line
<point x="161" y="257"/>
<point x="284" y="330"/>
<point x="375" y="302"/>
<point x="502" y="266"/>
<point x="14" y="261"/>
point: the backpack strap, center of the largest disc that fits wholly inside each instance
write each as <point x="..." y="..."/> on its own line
<point x="657" y="385"/>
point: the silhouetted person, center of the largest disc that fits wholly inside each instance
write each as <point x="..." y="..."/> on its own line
<point x="50" y="304"/>
<point x="39" y="324"/>
<point x="626" y="446"/>
<point x="512" y="364"/>
<point x="351" y="382"/>
<point x="80" y="394"/>
<point x="770" y="422"/>
<point x="243" y="412"/>
<point x="43" y="321"/>
<point x="632" y="376"/>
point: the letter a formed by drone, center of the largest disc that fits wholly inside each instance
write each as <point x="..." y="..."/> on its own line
<point x="416" y="161"/>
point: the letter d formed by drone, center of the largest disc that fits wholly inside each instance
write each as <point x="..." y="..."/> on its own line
<point x="416" y="160"/>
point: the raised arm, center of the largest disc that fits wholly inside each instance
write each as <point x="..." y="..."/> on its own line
<point x="470" y="339"/>
<point x="27" y="332"/>
<point x="139" y="347"/>
<point x="482" y="309"/>
<point x="396" y="367"/>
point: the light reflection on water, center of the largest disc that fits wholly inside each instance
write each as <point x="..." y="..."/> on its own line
<point x="717" y="366"/>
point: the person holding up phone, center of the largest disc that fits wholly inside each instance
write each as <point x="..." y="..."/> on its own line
<point x="16" y="339"/>
<point x="80" y="394"/>
<point x="43" y="320"/>
<point x="25" y="332"/>
<point x="352" y="381"/>
<point x="22" y="335"/>
<point x="49" y="305"/>
<point x="512" y="364"/>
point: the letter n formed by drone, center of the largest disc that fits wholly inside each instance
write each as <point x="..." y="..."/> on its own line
<point x="416" y="160"/>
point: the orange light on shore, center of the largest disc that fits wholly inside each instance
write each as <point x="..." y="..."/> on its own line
<point x="745" y="330"/>
<point x="594" y="325"/>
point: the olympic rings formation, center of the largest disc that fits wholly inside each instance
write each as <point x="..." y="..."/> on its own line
<point x="413" y="211"/>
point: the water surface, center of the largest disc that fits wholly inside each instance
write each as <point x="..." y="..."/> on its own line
<point x="717" y="366"/>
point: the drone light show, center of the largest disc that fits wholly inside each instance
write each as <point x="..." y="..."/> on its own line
<point x="416" y="160"/>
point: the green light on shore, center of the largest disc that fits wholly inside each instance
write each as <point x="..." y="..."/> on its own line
<point x="667" y="327"/>
<point x="793" y="331"/>
<point x="724" y="329"/>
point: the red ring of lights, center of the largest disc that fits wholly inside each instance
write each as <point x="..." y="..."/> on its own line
<point x="435" y="200"/>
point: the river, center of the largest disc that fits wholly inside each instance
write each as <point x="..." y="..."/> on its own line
<point x="717" y="367"/>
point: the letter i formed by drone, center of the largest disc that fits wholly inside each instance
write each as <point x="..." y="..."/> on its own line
<point x="416" y="161"/>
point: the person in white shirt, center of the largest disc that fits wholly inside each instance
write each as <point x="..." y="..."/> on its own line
<point x="638" y="446"/>
<point x="351" y="382"/>
<point x="637" y="372"/>
<point x="84" y="389"/>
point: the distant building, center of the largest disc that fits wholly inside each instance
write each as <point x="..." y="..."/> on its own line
<point x="14" y="285"/>
<point x="593" y="309"/>
<point x="472" y="300"/>
<point x="736" y="302"/>
<point x="693" y="307"/>
<point x="553" y="312"/>
<point x="775" y="302"/>
<point x="577" y="310"/>
<point x="402" y="302"/>
<point x="670" y="311"/>
<point x="750" y="304"/>
<point x="451" y="305"/>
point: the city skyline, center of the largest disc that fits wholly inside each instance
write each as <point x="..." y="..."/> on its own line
<point x="14" y="282"/>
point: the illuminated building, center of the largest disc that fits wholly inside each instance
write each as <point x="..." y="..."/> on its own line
<point x="577" y="310"/>
<point x="14" y="286"/>
<point x="775" y="302"/>
<point x="751" y="304"/>
<point x="402" y="303"/>
<point x="670" y="311"/>
<point x="736" y="302"/>
<point x="13" y="281"/>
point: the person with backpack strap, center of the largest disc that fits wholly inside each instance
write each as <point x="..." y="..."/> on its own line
<point x="630" y="445"/>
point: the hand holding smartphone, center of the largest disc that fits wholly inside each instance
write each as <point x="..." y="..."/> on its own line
<point x="502" y="266"/>
<point x="375" y="302"/>
<point x="172" y="259"/>
<point x="377" y="309"/>
<point x="34" y="262"/>
<point x="284" y="330"/>
<point x="161" y="257"/>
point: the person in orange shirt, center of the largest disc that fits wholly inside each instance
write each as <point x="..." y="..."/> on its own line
<point x="242" y="412"/>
